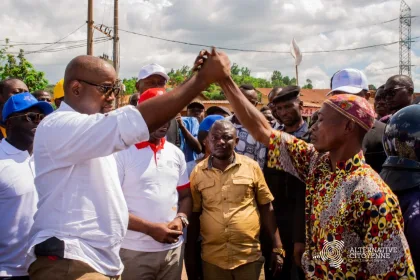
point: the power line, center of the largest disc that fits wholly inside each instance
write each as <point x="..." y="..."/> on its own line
<point x="102" y="40"/>
<point x="259" y="51"/>
<point x="68" y="47"/>
<point x="13" y="43"/>
<point x="64" y="37"/>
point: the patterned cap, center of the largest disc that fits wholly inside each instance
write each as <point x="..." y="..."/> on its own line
<point x="354" y="108"/>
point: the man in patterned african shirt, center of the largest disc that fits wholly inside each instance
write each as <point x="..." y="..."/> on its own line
<point x="354" y="225"/>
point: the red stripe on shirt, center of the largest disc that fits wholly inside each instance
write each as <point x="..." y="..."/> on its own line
<point x="183" y="187"/>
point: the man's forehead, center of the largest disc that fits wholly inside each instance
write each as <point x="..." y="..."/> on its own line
<point x="398" y="81"/>
<point x="221" y="128"/>
<point x="15" y="83"/>
<point x="249" y="92"/>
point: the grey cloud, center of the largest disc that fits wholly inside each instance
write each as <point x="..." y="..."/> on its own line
<point x="247" y="24"/>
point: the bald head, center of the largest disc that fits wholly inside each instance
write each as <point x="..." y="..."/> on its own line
<point x="11" y="86"/>
<point x="225" y="124"/>
<point x="86" y="67"/>
<point x="401" y="81"/>
<point x="398" y="92"/>
<point x="250" y="93"/>
<point x="134" y="99"/>
<point x="87" y="84"/>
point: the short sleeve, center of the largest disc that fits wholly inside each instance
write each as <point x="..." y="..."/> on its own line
<point x="196" y="195"/>
<point x="183" y="181"/>
<point x="262" y="192"/>
<point x="386" y="231"/>
<point x="290" y="154"/>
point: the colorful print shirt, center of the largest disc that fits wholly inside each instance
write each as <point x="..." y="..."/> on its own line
<point x="353" y="221"/>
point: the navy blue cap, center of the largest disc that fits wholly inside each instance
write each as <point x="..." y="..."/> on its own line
<point x="23" y="101"/>
<point x="208" y="121"/>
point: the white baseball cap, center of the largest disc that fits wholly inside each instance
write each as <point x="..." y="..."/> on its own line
<point x="152" y="69"/>
<point x="349" y="80"/>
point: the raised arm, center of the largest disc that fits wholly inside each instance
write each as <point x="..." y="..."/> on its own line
<point x="215" y="69"/>
<point x="249" y="116"/>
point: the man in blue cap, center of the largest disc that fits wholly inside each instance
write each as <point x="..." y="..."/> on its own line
<point x="18" y="198"/>
<point x="203" y="131"/>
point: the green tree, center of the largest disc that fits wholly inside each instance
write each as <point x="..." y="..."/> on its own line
<point x="372" y="87"/>
<point x="130" y="85"/>
<point x="240" y="75"/>
<point x="22" y="69"/>
<point x="177" y="77"/>
<point x="277" y="79"/>
<point x="308" y="84"/>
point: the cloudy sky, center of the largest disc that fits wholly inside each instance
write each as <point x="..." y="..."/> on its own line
<point x="245" y="24"/>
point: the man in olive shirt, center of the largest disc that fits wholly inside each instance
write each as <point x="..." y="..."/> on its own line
<point x="229" y="194"/>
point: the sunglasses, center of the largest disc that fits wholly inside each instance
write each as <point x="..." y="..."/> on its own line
<point x="107" y="90"/>
<point x="30" y="117"/>
<point x="392" y="91"/>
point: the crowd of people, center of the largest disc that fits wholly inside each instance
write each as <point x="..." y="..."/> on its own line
<point x="90" y="191"/>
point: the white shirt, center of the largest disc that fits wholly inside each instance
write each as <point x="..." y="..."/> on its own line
<point x="150" y="183"/>
<point x="18" y="200"/>
<point x="80" y="197"/>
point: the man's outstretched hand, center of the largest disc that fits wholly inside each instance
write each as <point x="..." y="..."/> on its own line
<point x="213" y="66"/>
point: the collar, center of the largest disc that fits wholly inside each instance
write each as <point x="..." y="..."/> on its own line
<point x="351" y="164"/>
<point x="302" y="130"/>
<point x="233" y="119"/>
<point x="10" y="149"/>
<point x="208" y="164"/>
<point x="155" y="148"/>
<point x="65" y="107"/>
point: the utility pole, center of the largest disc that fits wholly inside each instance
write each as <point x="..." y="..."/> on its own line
<point x="116" y="53"/>
<point x="405" y="39"/>
<point x="116" y="38"/>
<point x="90" y="28"/>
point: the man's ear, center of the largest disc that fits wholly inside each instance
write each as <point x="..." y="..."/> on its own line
<point x="351" y="127"/>
<point x="75" y="88"/>
<point x="8" y="124"/>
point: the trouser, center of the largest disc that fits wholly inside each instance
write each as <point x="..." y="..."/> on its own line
<point x="48" y="268"/>
<point x="166" y="265"/>
<point x="249" y="271"/>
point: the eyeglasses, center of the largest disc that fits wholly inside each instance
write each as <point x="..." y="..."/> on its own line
<point x="30" y="117"/>
<point x="107" y="90"/>
<point x="393" y="91"/>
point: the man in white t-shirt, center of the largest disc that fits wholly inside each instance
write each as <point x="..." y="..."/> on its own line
<point x="18" y="198"/>
<point x="82" y="216"/>
<point x="156" y="187"/>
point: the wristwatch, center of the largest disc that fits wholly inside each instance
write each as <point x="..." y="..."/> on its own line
<point x="280" y="251"/>
<point x="184" y="220"/>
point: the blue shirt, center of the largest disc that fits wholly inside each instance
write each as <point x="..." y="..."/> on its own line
<point x="191" y="124"/>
